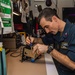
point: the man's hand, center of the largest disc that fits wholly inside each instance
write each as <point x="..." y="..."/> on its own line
<point x="40" y="48"/>
<point x="29" y="40"/>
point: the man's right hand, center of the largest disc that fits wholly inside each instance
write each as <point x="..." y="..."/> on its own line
<point x="29" y="40"/>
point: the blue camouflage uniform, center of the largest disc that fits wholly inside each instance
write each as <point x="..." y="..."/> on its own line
<point x="65" y="44"/>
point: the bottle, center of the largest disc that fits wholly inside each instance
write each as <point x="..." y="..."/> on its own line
<point x="38" y="33"/>
<point x="23" y="39"/>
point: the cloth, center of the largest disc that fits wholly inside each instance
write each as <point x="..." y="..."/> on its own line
<point x="23" y="17"/>
<point x="25" y="10"/>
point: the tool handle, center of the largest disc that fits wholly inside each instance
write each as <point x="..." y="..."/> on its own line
<point x="30" y="40"/>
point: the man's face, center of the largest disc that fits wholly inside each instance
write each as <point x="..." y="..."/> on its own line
<point x="48" y="26"/>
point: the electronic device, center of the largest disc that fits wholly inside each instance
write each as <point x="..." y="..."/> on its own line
<point x="28" y="54"/>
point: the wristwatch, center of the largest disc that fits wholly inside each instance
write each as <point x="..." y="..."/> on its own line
<point x="50" y="48"/>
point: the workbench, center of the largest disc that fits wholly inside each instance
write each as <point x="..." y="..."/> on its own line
<point x="42" y="66"/>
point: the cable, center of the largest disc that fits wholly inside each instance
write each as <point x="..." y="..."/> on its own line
<point x="20" y="48"/>
<point x="15" y="52"/>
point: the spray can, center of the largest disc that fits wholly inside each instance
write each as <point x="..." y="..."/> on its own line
<point x="23" y="39"/>
<point x="38" y="33"/>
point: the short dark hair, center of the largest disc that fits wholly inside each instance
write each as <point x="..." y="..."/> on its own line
<point x="47" y="13"/>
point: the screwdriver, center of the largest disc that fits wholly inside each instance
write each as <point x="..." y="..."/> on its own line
<point x="30" y="42"/>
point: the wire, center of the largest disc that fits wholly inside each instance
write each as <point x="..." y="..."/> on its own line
<point x="18" y="53"/>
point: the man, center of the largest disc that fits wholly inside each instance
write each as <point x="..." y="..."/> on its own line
<point x="62" y="36"/>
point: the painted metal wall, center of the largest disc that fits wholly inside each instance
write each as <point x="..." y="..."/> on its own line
<point x="60" y="4"/>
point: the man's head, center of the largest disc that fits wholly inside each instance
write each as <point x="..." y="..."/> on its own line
<point x="48" y="20"/>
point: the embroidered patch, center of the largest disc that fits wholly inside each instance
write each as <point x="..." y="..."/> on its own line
<point x="64" y="45"/>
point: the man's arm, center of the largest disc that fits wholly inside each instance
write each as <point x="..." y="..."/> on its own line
<point x="63" y="59"/>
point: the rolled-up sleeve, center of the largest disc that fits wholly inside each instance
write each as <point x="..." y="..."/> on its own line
<point x="71" y="48"/>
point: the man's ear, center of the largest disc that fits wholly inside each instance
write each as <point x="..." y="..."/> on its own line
<point x="54" y="18"/>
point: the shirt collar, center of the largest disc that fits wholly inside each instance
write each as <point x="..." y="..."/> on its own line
<point x="66" y="30"/>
